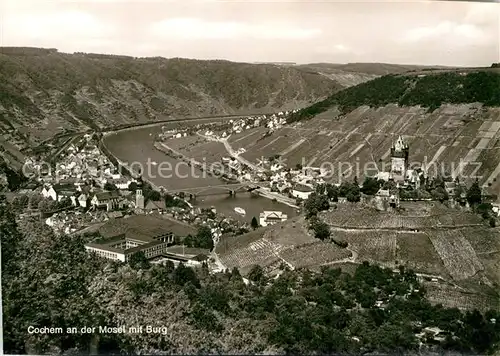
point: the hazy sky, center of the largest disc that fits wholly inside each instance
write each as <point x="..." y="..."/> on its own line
<point x="447" y="33"/>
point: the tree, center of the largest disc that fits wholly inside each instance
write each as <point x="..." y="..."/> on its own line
<point x="474" y="194"/>
<point x="493" y="222"/>
<point x="46" y="205"/>
<point x="35" y="199"/>
<point x="183" y="275"/>
<point x="20" y="202"/>
<point x="320" y="189"/>
<point x="154" y="195"/>
<point x="440" y="194"/>
<point x="354" y="195"/>
<point x="257" y="275"/>
<point x="139" y="261"/>
<point x="332" y="192"/>
<point x="110" y="186"/>
<point x="132" y="186"/>
<point x="202" y="239"/>
<point x="350" y="190"/>
<point x="316" y="203"/>
<point x="370" y="186"/>
<point x="320" y="228"/>
<point x="171" y="201"/>
<point x="64" y="203"/>
<point x="254" y="223"/>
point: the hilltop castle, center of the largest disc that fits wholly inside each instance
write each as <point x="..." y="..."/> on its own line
<point x="401" y="172"/>
<point x="400" y="152"/>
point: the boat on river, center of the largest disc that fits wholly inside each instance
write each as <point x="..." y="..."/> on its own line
<point x="240" y="211"/>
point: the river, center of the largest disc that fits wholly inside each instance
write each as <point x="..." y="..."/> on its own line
<point x="136" y="148"/>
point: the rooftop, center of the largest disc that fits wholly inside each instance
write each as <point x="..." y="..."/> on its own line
<point x="144" y="227"/>
<point x="302" y="188"/>
<point x="107" y="195"/>
<point x="273" y="214"/>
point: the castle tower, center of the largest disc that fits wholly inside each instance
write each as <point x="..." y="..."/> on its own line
<point x="400" y="152"/>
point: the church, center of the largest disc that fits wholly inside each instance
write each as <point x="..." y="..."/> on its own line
<point x="139" y="197"/>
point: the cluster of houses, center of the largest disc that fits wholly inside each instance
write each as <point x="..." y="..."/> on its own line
<point x="81" y="176"/>
<point x="235" y="126"/>
<point x="272" y="122"/>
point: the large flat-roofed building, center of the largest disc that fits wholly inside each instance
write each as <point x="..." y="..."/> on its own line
<point x="142" y="233"/>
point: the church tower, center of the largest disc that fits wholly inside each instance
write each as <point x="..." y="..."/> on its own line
<point x="139" y="198"/>
<point x="400" y="152"/>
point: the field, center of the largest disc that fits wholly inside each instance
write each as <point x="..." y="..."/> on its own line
<point x="147" y="225"/>
<point x="198" y="148"/>
<point x="314" y="254"/>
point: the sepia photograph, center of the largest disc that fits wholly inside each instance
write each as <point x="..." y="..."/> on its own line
<point x="287" y="177"/>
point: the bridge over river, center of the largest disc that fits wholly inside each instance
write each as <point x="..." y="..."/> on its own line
<point x="222" y="189"/>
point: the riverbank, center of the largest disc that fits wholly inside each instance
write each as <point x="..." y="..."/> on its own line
<point x="263" y="192"/>
<point x="132" y="127"/>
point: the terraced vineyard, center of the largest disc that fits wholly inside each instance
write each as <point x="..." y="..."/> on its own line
<point x="349" y="216"/>
<point x="452" y="297"/>
<point x="416" y="251"/>
<point x="436" y="241"/>
<point x="288" y="243"/>
<point x="456" y="252"/>
<point x="425" y="237"/>
<point x="311" y="254"/>
<point x="373" y="246"/>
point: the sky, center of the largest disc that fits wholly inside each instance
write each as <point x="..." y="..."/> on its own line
<point x="453" y="33"/>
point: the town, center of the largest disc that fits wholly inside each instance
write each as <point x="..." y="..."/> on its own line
<point x="250" y="178"/>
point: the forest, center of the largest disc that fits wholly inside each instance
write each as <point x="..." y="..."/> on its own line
<point x="50" y="281"/>
<point x="429" y="91"/>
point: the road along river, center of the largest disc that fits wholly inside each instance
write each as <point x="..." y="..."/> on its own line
<point x="136" y="147"/>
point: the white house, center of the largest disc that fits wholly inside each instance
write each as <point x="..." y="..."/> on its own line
<point x="276" y="167"/>
<point x="496" y="209"/>
<point x="302" y="191"/>
<point x="58" y="192"/>
<point x="122" y="183"/>
<point x="82" y="200"/>
<point x="49" y="192"/>
<point x="271" y="217"/>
